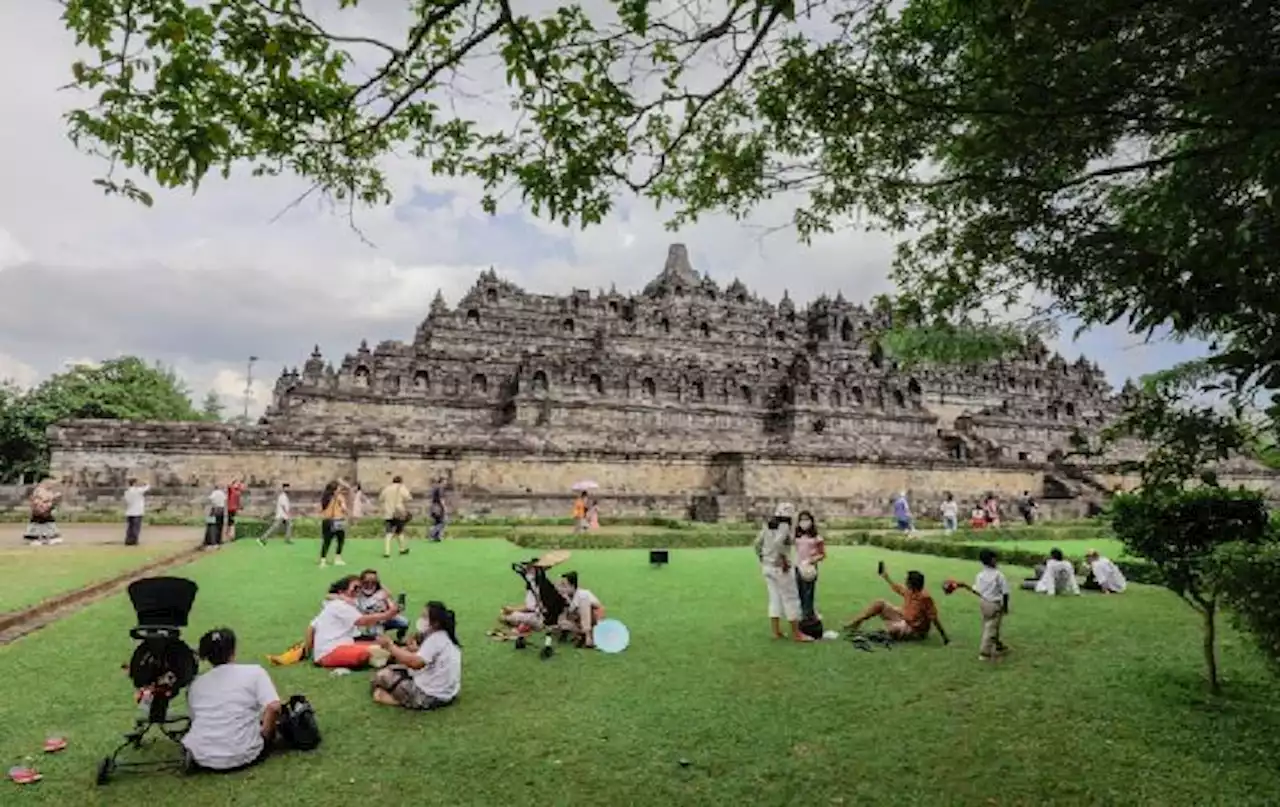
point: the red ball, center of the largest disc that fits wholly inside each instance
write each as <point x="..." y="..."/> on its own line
<point x="949" y="586"/>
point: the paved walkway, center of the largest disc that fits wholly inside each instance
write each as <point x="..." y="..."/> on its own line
<point x="98" y="534"/>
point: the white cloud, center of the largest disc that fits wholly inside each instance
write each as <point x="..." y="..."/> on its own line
<point x="202" y="282"/>
<point x="16" y="371"/>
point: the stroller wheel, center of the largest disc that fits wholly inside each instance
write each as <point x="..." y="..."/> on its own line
<point x="547" y="652"/>
<point x="105" y="768"/>
<point x="521" y="644"/>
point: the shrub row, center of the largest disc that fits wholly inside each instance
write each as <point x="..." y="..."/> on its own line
<point x="1134" y="571"/>
<point x="689" y="539"/>
<point x="162" y="518"/>
<point x="1001" y="534"/>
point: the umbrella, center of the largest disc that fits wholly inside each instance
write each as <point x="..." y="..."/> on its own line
<point x="611" y="636"/>
<point x="553" y="558"/>
<point x="585" y="484"/>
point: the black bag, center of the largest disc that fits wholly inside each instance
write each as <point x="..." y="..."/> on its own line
<point x="298" y="726"/>
<point x="812" y="628"/>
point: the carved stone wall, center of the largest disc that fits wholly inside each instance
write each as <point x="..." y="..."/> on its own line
<point x="685" y="389"/>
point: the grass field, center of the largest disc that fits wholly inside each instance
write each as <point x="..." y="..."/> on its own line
<point x="31" y="574"/>
<point x="1101" y="700"/>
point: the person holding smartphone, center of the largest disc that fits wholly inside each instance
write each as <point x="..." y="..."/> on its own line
<point x="913" y="619"/>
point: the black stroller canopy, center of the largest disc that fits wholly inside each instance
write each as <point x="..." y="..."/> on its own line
<point x="163" y="601"/>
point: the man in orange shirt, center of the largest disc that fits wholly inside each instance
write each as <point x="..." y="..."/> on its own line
<point x="916" y="616"/>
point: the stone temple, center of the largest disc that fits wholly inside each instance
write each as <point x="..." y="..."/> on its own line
<point x="686" y="399"/>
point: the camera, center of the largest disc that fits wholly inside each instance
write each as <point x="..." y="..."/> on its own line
<point x="161" y="665"/>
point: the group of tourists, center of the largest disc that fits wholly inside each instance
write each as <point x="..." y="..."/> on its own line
<point x="1058" y="577"/>
<point x="985" y="512"/>
<point x="790" y="551"/>
<point x="235" y="709"/>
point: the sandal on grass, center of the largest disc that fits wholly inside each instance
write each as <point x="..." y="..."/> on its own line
<point x="24" y="776"/>
<point x="54" y="745"/>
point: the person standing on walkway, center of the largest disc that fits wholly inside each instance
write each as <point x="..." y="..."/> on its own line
<point x="216" y="520"/>
<point x="950" y="513"/>
<point x="394" y="499"/>
<point x="235" y="494"/>
<point x="135" y="507"/>
<point x="42" y="529"/>
<point x="437" y="511"/>
<point x="333" y="520"/>
<point x="282" y="521"/>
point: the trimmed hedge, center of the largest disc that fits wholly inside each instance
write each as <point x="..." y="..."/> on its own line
<point x="1134" y="571"/>
<point x="688" y="539"/>
<point x="1013" y="534"/>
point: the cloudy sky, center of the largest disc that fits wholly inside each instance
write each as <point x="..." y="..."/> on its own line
<point x="202" y="282"/>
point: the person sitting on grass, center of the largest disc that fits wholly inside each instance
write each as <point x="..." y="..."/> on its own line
<point x="372" y="598"/>
<point x="1104" y="575"/>
<point x="234" y="709"/>
<point x="427" y="676"/>
<point x="1058" y="577"/>
<point x="525" y="617"/>
<point x="583" y="612"/>
<point x="331" y="636"/>
<point x="913" y="619"/>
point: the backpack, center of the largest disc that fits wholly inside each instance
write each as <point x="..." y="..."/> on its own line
<point x="298" y="726"/>
<point x="812" y="628"/>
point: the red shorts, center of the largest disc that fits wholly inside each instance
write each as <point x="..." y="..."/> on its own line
<point x="351" y="656"/>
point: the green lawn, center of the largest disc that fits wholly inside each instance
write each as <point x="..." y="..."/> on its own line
<point x="1101" y="699"/>
<point x="31" y="574"/>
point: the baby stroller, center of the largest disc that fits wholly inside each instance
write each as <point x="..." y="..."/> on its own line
<point x="161" y="666"/>
<point x="550" y="603"/>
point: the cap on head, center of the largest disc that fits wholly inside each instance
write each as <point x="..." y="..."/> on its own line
<point x="784" y="510"/>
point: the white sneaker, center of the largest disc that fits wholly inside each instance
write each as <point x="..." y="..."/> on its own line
<point x="323" y="563"/>
<point x="338" y="561"/>
<point x="54" y="541"/>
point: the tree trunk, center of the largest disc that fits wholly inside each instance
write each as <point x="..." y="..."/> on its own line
<point x="1211" y="647"/>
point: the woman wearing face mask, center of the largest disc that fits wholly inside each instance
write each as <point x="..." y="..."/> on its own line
<point x="811" y="550"/>
<point x="428" y="677"/>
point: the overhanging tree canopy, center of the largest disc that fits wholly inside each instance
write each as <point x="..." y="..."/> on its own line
<point x="1115" y="157"/>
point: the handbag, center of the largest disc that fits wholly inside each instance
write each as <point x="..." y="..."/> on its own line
<point x="298" y="726"/>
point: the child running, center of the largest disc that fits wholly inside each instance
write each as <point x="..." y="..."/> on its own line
<point x="992" y="590"/>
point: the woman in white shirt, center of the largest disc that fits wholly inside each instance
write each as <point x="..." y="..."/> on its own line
<point x="1059" y="576"/>
<point x="233" y="708"/>
<point x="426" y="677"/>
<point x="1106" y="575"/>
<point x="331" y="636"/>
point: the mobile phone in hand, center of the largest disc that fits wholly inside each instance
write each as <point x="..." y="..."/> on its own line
<point x="880" y="567"/>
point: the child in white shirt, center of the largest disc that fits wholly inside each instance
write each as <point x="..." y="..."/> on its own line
<point x="992" y="590"/>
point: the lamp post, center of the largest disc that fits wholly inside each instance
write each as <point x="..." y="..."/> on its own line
<point x="248" y="387"/>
